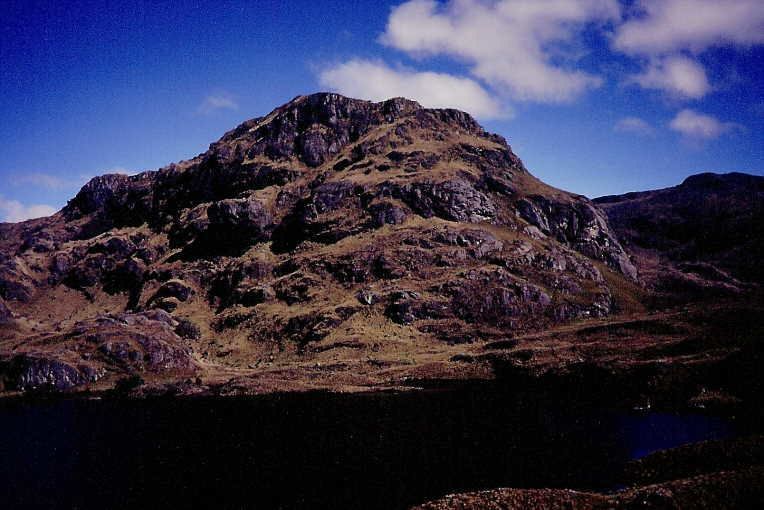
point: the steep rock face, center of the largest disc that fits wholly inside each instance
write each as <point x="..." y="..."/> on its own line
<point x="580" y="225"/>
<point x="110" y="201"/>
<point x="15" y="282"/>
<point x="702" y="236"/>
<point x="260" y="247"/>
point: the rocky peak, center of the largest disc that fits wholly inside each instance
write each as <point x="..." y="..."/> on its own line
<point x="291" y="172"/>
<point x="311" y="128"/>
<point x="304" y="134"/>
<point x="99" y="191"/>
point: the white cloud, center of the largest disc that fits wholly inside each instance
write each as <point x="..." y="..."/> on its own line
<point x="215" y="102"/>
<point x="14" y="211"/>
<point x="376" y="81"/>
<point x="699" y="126"/>
<point x="516" y="46"/>
<point x="634" y="125"/>
<point x="663" y="27"/>
<point x="669" y="33"/>
<point x="679" y="76"/>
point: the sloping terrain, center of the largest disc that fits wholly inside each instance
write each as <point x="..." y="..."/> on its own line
<point x="343" y="244"/>
<point x="723" y="474"/>
<point x="701" y="237"/>
<point x="332" y="231"/>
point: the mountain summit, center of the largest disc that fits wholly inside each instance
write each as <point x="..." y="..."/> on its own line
<point x="373" y="238"/>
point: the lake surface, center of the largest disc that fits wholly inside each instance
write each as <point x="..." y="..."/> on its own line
<point x="319" y="450"/>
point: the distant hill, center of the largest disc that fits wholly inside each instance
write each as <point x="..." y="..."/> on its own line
<point x="707" y="231"/>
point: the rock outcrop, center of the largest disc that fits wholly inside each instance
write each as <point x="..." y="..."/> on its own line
<point x="108" y="345"/>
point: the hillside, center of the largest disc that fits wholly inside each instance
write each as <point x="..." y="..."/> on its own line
<point x="701" y="237"/>
<point x="333" y="243"/>
<point x="331" y="230"/>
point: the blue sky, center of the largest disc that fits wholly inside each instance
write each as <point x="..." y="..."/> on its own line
<point x="596" y="96"/>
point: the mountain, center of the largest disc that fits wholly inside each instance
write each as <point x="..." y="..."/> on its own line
<point x="332" y="230"/>
<point x="347" y="245"/>
<point x="343" y="244"/>
<point x="702" y="237"/>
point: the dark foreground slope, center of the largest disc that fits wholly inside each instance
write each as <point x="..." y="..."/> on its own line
<point x="726" y="474"/>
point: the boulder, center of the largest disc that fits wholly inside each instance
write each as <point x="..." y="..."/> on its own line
<point x="174" y="288"/>
<point x="187" y="329"/>
<point x="231" y="226"/>
<point x="319" y="217"/>
<point x="387" y="213"/>
<point x="254" y="295"/>
<point x="168" y="304"/>
<point x="117" y="246"/>
<point x="367" y="297"/>
<point x="244" y="215"/>
<point x="295" y="288"/>
<point x="29" y="372"/>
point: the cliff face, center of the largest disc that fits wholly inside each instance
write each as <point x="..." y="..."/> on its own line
<point x="331" y="231"/>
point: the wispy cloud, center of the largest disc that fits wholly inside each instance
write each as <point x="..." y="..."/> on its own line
<point x="679" y="76"/>
<point x="42" y="180"/>
<point x="45" y="180"/>
<point x="14" y="211"/>
<point x="634" y="125"/>
<point x="118" y="170"/>
<point x="216" y="102"/>
<point x="51" y="182"/>
<point x="377" y="81"/>
<point x="698" y="126"/>
<point x="531" y="51"/>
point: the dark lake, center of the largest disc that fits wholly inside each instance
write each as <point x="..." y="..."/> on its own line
<point x="319" y="450"/>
